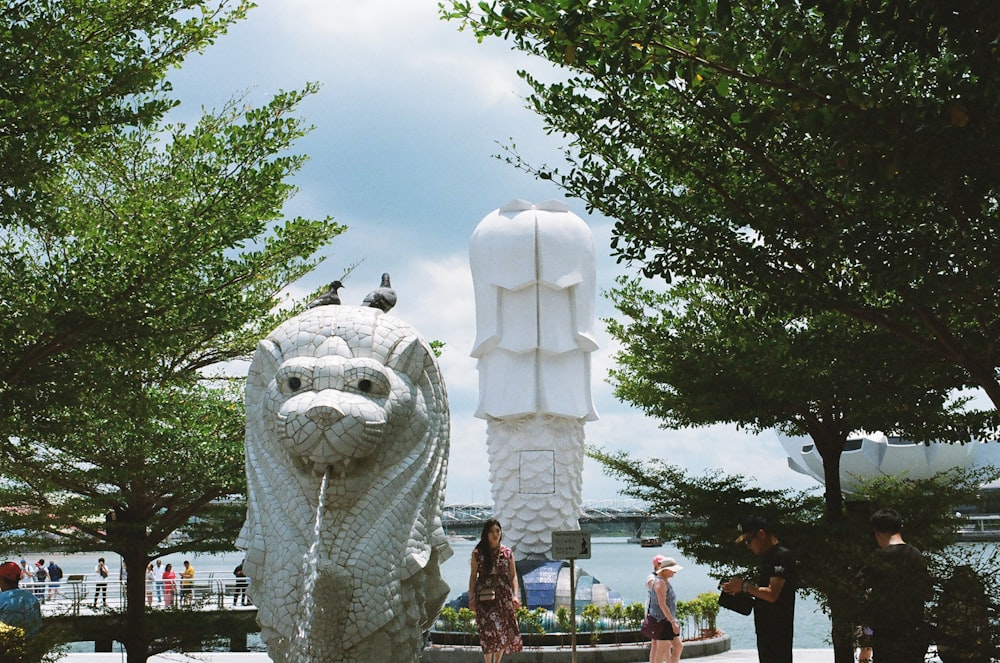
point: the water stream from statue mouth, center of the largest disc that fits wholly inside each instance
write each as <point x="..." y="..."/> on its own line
<point x="310" y="573"/>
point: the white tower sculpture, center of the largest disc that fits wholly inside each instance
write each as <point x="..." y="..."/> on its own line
<point x="533" y="272"/>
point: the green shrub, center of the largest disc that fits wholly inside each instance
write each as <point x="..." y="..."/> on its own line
<point x="591" y="615"/>
<point x="530" y="621"/>
<point x="563" y="621"/>
<point x="634" y="614"/>
<point x="449" y="619"/>
<point x="709" y="602"/>
<point x="467" y="621"/>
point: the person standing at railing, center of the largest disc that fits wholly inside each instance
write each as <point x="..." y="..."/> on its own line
<point x="101" y="588"/>
<point x="27" y="575"/>
<point x="158" y="580"/>
<point x="240" y="591"/>
<point x="168" y="585"/>
<point x="150" y="581"/>
<point x="187" y="584"/>
<point x="41" y="576"/>
<point x="55" y="577"/>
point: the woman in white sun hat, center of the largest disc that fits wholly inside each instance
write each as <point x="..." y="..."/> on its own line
<point x="662" y="605"/>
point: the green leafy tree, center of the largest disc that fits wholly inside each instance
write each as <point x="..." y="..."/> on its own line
<point x="75" y="69"/>
<point x="699" y="354"/>
<point x="830" y="155"/>
<point x="709" y="506"/>
<point x="162" y="257"/>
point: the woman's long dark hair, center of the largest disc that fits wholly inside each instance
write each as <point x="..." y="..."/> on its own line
<point x="486" y="552"/>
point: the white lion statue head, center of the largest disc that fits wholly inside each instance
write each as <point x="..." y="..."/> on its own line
<point x="353" y="398"/>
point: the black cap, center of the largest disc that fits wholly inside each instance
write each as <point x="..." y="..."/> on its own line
<point x="750" y="525"/>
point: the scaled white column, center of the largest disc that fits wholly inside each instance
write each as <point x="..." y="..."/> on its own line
<point x="533" y="271"/>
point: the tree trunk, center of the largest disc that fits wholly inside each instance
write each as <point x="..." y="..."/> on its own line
<point x="830" y="445"/>
<point x="843" y="634"/>
<point x="135" y="636"/>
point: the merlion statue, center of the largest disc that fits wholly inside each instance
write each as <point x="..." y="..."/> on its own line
<point x="534" y="276"/>
<point x="345" y="404"/>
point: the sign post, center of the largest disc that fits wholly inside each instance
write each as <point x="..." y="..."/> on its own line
<point x="571" y="545"/>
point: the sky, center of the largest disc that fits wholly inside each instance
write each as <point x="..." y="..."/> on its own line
<point x="408" y="123"/>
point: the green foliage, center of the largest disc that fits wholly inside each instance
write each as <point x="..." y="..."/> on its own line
<point x="43" y="647"/>
<point x="111" y="61"/>
<point x="530" y="621"/>
<point x="707" y="610"/>
<point x="467" y="620"/>
<point x="707" y="507"/>
<point x="591" y="616"/>
<point x="564" y="623"/>
<point x="698" y="354"/>
<point x="169" y="263"/>
<point x="702" y="611"/>
<point x="828" y="156"/>
<point x="11" y="642"/>
<point x="634" y="614"/>
<point x="964" y="611"/>
<point x="449" y="618"/>
<point x="829" y="553"/>
<point x="616" y="616"/>
<point x="137" y="259"/>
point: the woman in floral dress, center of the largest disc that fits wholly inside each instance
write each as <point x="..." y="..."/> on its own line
<point x="493" y="594"/>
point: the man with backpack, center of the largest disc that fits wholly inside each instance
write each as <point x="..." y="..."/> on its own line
<point x="55" y="575"/>
<point x="41" y="576"/>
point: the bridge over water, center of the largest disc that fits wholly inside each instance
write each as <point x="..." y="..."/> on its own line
<point x="469" y="518"/>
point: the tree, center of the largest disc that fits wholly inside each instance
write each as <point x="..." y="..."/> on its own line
<point x="708" y="508"/>
<point x="75" y="69"/>
<point x="162" y="256"/>
<point x="830" y="155"/>
<point x="698" y="354"/>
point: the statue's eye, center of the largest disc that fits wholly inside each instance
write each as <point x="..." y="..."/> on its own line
<point x="293" y="379"/>
<point x="367" y="380"/>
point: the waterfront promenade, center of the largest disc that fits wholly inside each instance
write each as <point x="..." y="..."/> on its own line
<point x="731" y="656"/>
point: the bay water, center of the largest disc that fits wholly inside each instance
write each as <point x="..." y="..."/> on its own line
<point x="620" y="565"/>
<point x="624" y="566"/>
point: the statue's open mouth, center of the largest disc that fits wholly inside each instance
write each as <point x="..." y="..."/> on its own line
<point x="339" y="468"/>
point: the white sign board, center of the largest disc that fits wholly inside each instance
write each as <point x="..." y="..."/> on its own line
<point x="574" y="544"/>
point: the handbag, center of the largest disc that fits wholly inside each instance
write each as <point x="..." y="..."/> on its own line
<point x="657" y="629"/>
<point x="485" y="595"/>
<point x="650" y="627"/>
<point x="740" y="602"/>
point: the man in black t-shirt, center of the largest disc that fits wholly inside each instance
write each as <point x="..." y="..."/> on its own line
<point x="896" y="585"/>
<point x="773" y="590"/>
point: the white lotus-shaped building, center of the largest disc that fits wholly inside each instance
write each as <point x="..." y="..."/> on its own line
<point x="870" y="455"/>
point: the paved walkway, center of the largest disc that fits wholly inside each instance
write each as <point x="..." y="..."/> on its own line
<point x="731" y="656"/>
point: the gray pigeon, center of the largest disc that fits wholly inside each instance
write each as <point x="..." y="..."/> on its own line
<point x="382" y="297"/>
<point x="328" y="297"/>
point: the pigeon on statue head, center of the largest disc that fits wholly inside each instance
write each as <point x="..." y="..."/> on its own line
<point x="329" y="297"/>
<point x="382" y="297"/>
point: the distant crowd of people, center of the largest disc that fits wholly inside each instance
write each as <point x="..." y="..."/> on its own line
<point x="44" y="579"/>
<point x="25" y="586"/>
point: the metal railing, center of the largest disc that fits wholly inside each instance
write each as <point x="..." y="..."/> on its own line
<point x="84" y="595"/>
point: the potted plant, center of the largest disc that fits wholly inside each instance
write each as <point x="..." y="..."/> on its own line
<point x="709" y="603"/>
<point x="591" y="615"/>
